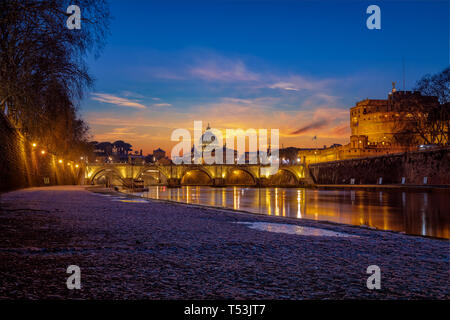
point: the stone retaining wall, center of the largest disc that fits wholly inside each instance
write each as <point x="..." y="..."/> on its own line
<point x="413" y="166"/>
<point x="22" y="166"/>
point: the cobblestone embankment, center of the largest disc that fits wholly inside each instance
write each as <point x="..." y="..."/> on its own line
<point x="160" y="250"/>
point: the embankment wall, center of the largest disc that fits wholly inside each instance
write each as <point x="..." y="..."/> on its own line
<point x="22" y="165"/>
<point x="414" y="166"/>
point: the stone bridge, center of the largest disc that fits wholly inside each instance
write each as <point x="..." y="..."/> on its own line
<point x="194" y="174"/>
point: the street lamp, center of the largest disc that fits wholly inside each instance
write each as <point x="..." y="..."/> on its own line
<point x="42" y="151"/>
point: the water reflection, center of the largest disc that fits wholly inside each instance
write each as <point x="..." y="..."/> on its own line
<point x="293" y="229"/>
<point x="417" y="213"/>
<point x="133" y="201"/>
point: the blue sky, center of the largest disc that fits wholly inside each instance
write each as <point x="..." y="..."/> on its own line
<point x="255" y="64"/>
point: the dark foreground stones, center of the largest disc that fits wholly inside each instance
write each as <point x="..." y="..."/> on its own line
<point x="161" y="250"/>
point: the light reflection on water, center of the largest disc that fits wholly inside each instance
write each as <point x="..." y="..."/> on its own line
<point x="293" y="229"/>
<point x="418" y="213"/>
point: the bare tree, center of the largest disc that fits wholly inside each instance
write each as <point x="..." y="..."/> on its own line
<point x="43" y="73"/>
<point x="424" y="116"/>
<point x="437" y="85"/>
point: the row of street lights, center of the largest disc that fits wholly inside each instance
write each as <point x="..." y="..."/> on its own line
<point x="60" y="161"/>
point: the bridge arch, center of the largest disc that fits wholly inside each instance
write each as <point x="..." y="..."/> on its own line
<point x="196" y="176"/>
<point x="152" y="175"/>
<point x="240" y="176"/>
<point x="284" y="177"/>
<point x="106" y="175"/>
<point x="236" y="175"/>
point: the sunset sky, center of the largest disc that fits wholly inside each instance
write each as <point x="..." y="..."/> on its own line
<point x="289" y="65"/>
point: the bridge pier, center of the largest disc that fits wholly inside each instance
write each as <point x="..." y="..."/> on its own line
<point x="262" y="182"/>
<point x="174" y="183"/>
<point x="218" y="182"/>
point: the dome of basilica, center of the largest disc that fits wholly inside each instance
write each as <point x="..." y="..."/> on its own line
<point x="207" y="138"/>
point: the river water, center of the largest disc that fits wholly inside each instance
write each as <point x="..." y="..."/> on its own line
<point x="417" y="213"/>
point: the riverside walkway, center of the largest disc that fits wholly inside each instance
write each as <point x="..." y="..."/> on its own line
<point x="130" y="248"/>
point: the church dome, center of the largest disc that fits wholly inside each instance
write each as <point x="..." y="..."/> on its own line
<point x="207" y="137"/>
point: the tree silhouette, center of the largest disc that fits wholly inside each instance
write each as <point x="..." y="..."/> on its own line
<point x="425" y="117"/>
<point x="43" y="74"/>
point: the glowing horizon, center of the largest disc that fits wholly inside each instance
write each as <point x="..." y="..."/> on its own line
<point x="296" y="67"/>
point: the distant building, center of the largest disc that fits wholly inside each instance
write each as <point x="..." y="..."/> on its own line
<point x="164" y="161"/>
<point x="158" y="157"/>
<point x="149" y="158"/>
<point x="376" y="120"/>
<point x="158" y="154"/>
<point x="373" y="126"/>
<point x="136" y="159"/>
<point x="116" y="152"/>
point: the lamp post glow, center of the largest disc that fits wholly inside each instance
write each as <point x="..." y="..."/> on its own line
<point x="42" y="151"/>
<point x="34" y="145"/>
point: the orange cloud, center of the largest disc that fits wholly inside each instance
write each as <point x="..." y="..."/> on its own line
<point x="162" y="105"/>
<point x="149" y="129"/>
<point x="118" y="101"/>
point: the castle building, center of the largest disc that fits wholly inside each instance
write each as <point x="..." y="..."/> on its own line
<point x="374" y="127"/>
